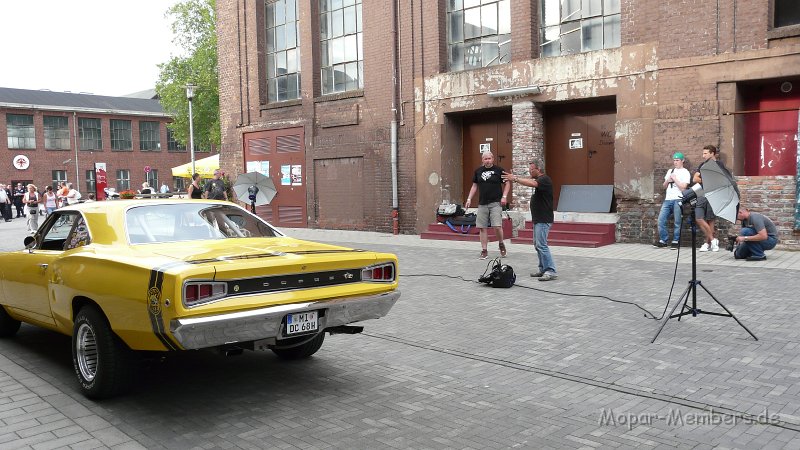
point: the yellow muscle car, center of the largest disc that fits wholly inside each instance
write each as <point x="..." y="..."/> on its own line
<point x="168" y="275"/>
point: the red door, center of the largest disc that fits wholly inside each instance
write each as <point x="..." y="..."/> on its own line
<point x="280" y="154"/>
<point x="491" y="132"/>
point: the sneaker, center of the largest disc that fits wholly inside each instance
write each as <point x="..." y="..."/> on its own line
<point x="674" y="245"/>
<point x="757" y="258"/>
<point x="502" y="249"/>
<point x="715" y="245"/>
<point x="547" y="276"/>
<point x="660" y="244"/>
<point x="484" y="254"/>
<point x="703" y="248"/>
<point x="537" y="274"/>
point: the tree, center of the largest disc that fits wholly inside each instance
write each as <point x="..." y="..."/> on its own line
<point x="194" y="28"/>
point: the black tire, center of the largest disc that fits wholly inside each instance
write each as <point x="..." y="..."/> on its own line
<point x="103" y="364"/>
<point x="301" y="351"/>
<point x="8" y="325"/>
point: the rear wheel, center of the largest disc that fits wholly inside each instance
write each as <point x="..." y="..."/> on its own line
<point x="8" y="325"/>
<point x="303" y="350"/>
<point x="103" y="364"/>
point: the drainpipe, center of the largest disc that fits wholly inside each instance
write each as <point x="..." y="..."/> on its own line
<point x="75" y="134"/>
<point x="395" y="202"/>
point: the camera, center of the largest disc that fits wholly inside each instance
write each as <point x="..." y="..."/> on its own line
<point x="731" y="243"/>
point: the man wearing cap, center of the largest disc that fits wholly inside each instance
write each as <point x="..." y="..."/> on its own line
<point x="215" y="188"/>
<point x="675" y="181"/>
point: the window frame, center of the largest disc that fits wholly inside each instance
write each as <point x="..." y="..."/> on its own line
<point x="149" y="139"/>
<point x="26" y="138"/>
<point x="123" y="182"/>
<point x="561" y="28"/>
<point x="332" y="39"/>
<point x="121" y="131"/>
<point x="273" y="24"/>
<point x="90" y="138"/>
<point x="59" y="132"/>
<point x="482" y="43"/>
<point x="56" y="179"/>
<point x="172" y="144"/>
<point x="91" y="182"/>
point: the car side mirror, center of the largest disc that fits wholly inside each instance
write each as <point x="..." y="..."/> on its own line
<point x="30" y="242"/>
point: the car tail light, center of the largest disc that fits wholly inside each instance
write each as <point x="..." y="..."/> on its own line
<point x="383" y="272"/>
<point x="198" y="292"/>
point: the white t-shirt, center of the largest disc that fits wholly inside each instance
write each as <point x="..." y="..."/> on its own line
<point x="673" y="191"/>
<point x="73" y="196"/>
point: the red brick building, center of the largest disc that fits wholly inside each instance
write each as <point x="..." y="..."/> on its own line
<point x="47" y="137"/>
<point x="381" y="105"/>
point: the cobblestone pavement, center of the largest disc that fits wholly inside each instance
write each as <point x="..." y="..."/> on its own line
<point x="456" y="364"/>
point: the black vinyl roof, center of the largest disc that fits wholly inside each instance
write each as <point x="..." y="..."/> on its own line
<point x="68" y="100"/>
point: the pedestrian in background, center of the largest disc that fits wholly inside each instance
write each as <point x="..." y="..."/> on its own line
<point x="5" y="202"/>
<point x="19" y="192"/>
<point x="492" y="191"/>
<point x="31" y="200"/>
<point x="675" y="181"/>
<point x="541" y="214"/>
<point x="50" y="200"/>
<point x="215" y="187"/>
<point x="195" y="191"/>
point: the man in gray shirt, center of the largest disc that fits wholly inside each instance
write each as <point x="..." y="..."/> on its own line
<point x="758" y="234"/>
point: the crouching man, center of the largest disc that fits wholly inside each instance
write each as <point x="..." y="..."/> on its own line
<point x="758" y="234"/>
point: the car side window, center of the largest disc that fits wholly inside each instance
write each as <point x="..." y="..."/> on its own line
<point x="80" y="235"/>
<point x="56" y="235"/>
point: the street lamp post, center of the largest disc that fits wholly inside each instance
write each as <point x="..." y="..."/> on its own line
<point x="190" y="95"/>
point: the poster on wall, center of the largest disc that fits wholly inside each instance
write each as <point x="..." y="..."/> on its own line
<point x="258" y="166"/>
<point x="286" y="178"/>
<point x="297" y="175"/>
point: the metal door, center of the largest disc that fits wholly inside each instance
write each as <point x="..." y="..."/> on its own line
<point x="280" y="154"/>
<point x="490" y="131"/>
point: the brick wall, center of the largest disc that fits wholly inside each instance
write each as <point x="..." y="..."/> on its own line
<point x="43" y="161"/>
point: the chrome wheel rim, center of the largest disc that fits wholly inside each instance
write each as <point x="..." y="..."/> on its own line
<point x="86" y="350"/>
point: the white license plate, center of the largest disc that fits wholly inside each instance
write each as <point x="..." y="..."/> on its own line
<point x="299" y="323"/>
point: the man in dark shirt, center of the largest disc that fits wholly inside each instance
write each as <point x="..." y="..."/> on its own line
<point x="493" y="193"/>
<point x="541" y="215"/>
<point x="758" y="233"/>
<point x="215" y="188"/>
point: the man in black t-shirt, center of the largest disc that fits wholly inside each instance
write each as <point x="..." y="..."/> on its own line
<point x="541" y="215"/>
<point x="215" y="188"/>
<point x="493" y="191"/>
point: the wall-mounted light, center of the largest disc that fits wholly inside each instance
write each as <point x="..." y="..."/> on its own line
<point x="514" y="91"/>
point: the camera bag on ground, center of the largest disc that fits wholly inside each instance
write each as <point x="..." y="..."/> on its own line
<point x="500" y="276"/>
<point x="450" y="210"/>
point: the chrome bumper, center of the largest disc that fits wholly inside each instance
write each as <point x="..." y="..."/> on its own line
<point x="264" y="323"/>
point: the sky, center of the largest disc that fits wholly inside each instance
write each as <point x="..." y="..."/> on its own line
<point x="103" y="47"/>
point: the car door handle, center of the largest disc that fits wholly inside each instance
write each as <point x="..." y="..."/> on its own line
<point x="43" y="266"/>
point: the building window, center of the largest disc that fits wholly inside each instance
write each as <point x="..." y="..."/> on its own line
<point x="283" y="51"/>
<point x="123" y="180"/>
<point x="59" y="176"/>
<point x="152" y="179"/>
<point x="341" y="48"/>
<point x="20" y="131"/>
<point x="149" y="136"/>
<point x="91" y="186"/>
<point x="121" y="134"/>
<point x="89" y="134"/>
<point x="575" y="26"/>
<point x="787" y="12"/>
<point x="172" y="144"/>
<point x="56" y="133"/>
<point x="478" y="33"/>
<point x="179" y="184"/>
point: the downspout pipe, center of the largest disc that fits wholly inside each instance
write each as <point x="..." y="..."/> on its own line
<point x="75" y="134"/>
<point x="393" y="125"/>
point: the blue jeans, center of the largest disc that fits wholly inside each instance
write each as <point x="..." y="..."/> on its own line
<point x="669" y="207"/>
<point x="753" y="248"/>
<point x="540" y="232"/>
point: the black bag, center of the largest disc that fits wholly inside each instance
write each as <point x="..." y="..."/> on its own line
<point x="501" y="275"/>
<point x="465" y="222"/>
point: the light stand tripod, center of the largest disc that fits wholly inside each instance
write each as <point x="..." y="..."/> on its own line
<point x="692" y="289"/>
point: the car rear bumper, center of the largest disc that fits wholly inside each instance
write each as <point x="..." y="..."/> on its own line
<point x="264" y="323"/>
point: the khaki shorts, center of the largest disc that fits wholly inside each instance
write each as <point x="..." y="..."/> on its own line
<point x="489" y="215"/>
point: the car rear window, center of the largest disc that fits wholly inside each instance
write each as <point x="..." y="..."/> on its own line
<point x="192" y="221"/>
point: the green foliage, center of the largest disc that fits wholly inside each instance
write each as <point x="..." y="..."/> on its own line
<point x="194" y="28"/>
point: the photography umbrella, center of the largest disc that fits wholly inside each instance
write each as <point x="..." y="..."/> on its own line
<point x="720" y="190"/>
<point x="254" y="188"/>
